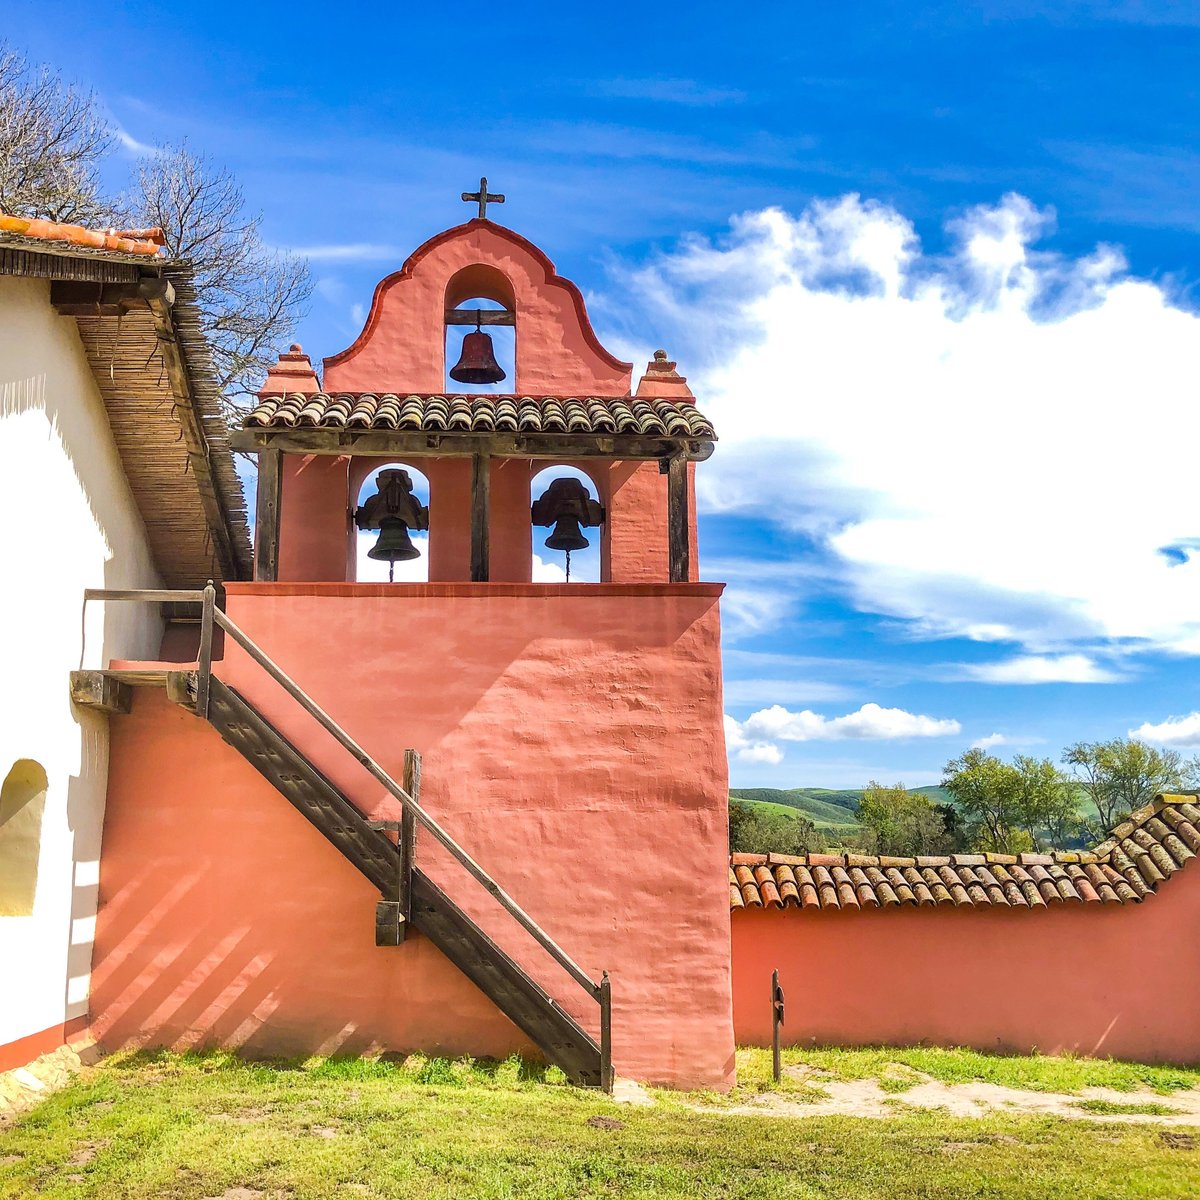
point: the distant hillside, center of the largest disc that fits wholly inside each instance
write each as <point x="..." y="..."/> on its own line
<point x="834" y="812"/>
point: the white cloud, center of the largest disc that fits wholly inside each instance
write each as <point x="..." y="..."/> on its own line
<point x="747" y="749"/>
<point x="987" y="743"/>
<point x="1174" y="731"/>
<point x="129" y="143"/>
<point x="977" y="440"/>
<point x="870" y="722"/>
<point x="1040" y="668"/>
<point x="790" y="691"/>
<point x="349" y="252"/>
<point x="547" y="572"/>
<point x="671" y="91"/>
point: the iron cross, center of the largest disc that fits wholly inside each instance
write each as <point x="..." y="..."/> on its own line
<point x="483" y="198"/>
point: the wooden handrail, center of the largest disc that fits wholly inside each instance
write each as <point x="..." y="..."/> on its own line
<point x="423" y="818"/>
<point x="210" y="616"/>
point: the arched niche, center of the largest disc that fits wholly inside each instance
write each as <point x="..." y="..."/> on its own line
<point x="22" y="806"/>
<point x="484" y="289"/>
<point x="364" y="474"/>
<point x="549" y="566"/>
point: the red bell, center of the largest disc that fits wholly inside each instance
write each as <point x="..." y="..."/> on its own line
<point x="477" y="362"/>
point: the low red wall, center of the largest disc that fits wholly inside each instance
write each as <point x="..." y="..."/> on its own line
<point x="572" y="743"/>
<point x="1106" y="980"/>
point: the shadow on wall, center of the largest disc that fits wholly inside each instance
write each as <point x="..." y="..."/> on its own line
<point x="22" y="804"/>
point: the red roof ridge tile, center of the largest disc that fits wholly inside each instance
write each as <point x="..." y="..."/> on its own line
<point x="1152" y="844"/>
<point x="148" y="242"/>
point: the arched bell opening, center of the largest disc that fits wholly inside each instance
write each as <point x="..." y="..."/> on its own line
<point x="22" y="807"/>
<point x="481" y="343"/>
<point x="391" y="518"/>
<point x="570" y="516"/>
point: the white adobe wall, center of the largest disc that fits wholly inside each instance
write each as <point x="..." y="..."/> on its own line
<point x="67" y="521"/>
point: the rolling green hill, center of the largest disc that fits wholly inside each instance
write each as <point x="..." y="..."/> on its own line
<point x="832" y="811"/>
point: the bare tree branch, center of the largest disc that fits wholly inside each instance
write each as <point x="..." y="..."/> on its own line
<point x="249" y="294"/>
<point x="52" y="140"/>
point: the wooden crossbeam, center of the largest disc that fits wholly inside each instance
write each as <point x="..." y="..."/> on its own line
<point x="480" y="316"/>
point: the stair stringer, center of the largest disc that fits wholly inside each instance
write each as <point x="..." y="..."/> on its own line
<point x="434" y="914"/>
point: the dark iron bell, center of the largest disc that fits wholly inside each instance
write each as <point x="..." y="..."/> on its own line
<point x="566" y="534"/>
<point x="477" y="362"/>
<point x="393" y="545"/>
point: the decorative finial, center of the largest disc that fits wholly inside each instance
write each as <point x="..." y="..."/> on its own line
<point x="660" y="356"/>
<point x="295" y="348"/>
<point x="483" y="198"/>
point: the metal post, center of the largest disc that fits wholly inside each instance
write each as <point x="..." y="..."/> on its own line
<point x="776" y="1021"/>
<point x="204" y="662"/>
<point x="606" y="1068"/>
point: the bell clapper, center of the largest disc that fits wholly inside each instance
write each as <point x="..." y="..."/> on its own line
<point x="568" y="566"/>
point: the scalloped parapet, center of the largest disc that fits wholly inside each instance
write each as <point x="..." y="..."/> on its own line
<point x="402" y="346"/>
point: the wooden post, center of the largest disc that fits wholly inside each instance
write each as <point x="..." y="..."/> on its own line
<point x="407" y="844"/>
<point x="266" y="516"/>
<point x="394" y="912"/>
<point x="677" y="518"/>
<point x="776" y="1021"/>
<point x="204" y="660"/>
<point x="606" y="1067"/>
<point x="480" y="554"/>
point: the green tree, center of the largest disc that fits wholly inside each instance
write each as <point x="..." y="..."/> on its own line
<point x="986" y="791"/>
<point x="894" y="820"/>
<point x="755" y="830"/>
<point x="1123" y="774"/>
<point x="1046" y="802"/>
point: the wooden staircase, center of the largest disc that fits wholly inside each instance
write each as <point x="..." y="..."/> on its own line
<point x="431" y="911"/>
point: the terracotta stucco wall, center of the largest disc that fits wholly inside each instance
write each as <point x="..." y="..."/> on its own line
<point x="1099" y="980"/>
<point x="572" y="742"/>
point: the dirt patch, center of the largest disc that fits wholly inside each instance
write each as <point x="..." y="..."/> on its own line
<point x="244" y="1116"/>
<point x="907" y="1088"/>
<point x="85" y="1153"/>
<point x="1177" y="1141"/>
<point x="604" y="1123"/>
<point x="324" y="1131"/>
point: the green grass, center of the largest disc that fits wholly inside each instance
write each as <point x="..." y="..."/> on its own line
<point x="1038" y="1072"/>
<point x="170" y="1127"/>
<point x="1109" y="1108"/>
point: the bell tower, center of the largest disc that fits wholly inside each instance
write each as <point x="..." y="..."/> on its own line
<point x="570" y="733"/>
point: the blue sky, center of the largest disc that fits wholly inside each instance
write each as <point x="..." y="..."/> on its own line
<point x="956" y="411"/>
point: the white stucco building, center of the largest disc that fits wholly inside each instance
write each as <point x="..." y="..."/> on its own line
<point x="114" y="473"/>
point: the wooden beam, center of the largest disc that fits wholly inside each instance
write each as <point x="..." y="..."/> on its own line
<point x="410" y="781"/>
<point x="481" y="316"/>
<point x="438" y="444"/>
<point x="266" y="516"/>
<point x="677" y="520"/>
<point x="480" y="515"/>
<point x="160" y="295"/>
<point x="99" y="298"/>
<point x="99" y="690"/>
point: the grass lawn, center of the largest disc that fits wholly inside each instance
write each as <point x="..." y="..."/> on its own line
<point x="1035" y="1073"/>
<point x="168" y="1126"/>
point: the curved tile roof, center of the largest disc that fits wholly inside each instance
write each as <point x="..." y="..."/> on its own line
<point x="1141" y="853"/>
<point x="146" y="243"/>
<point x="481" y="414"/>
